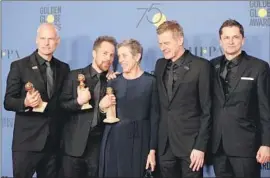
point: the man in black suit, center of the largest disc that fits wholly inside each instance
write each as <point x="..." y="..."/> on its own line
<point x="241" y="108"/>
<point x="36" y="132"/>
<point x="185" y="101"/>
<point x="84" y="127"/>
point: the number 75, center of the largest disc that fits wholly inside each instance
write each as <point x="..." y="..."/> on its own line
<point x="151" y="8"/>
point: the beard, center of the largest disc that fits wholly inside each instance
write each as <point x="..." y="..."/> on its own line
<point x="104" y="66"/>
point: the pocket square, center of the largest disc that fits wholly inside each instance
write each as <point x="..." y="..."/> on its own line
<point x="247" y="78"/>
<point x="34" y="67"/>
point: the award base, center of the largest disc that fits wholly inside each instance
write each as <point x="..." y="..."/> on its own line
<point x="40" y="108"/>
<point x="111" y="120"/>
<point x="86" y="106"/>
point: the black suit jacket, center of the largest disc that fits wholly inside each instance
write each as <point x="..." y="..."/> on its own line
<point x="31" y="129"/>
<point x="79" y="122"/>
<point x="185" y="119"/>
<point x="242" y="119"/>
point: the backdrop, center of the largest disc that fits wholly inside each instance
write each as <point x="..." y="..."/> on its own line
<point x="80" y="23"/>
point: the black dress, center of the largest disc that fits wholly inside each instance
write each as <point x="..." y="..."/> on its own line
<point x="126" y="144"/>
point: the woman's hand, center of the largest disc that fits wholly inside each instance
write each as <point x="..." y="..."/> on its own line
<point x="107" y="101"/>
<point x="151" y="160"/>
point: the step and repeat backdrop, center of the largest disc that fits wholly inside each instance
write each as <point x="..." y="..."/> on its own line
<point x="80" y="23"/>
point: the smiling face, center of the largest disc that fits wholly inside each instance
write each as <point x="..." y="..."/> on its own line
<point x="104" y="55"/>
<point x="129" y="54"/>
<point x="171" y="39"/>
<point x="127" y="60"/>
<point x="231" y="40"/>
<point x="170" y="45"/>
<point x="47" y="40"/>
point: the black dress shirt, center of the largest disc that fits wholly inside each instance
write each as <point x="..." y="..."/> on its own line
<point x="173" y="68"/>
<point x="42" y="66"/>
<point x="228" y="72"/>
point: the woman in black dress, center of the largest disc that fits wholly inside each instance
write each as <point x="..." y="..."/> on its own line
<point x="128" y="147"/>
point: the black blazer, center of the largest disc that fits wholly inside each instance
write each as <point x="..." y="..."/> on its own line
<point x="78" y="124"/>
<point x="185" y="119"/>
<point x="243" y="119"/>
<point x="31" y="129"/>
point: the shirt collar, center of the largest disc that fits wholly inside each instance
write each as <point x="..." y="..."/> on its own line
<point x="42" y="61"/>
<point x="235" y="61"/>
<point x="94" y="73"/>
<point x="181" y="59"/>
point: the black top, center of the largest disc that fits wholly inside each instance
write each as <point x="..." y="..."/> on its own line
<point x="228" y="71"/>
<point x="42" y="66"/>
<point x="175" y="66"/>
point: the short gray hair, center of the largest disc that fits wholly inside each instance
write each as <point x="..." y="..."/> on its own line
<point x="48" y="24"/>
<point x="134" y="45"/>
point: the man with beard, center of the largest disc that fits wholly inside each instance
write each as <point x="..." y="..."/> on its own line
<point x="83" y="129"/>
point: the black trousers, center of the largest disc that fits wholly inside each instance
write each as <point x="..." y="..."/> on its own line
<point x="86" y="165"/>
<point x="176" y="167"/>
<point x="235" y="167"/>
<point x="45" y="163"/>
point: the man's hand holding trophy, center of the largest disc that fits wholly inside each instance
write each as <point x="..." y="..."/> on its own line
<point x="33" y="99"/>
<point x="83" y="94"/>
<point x="107" y="105"/>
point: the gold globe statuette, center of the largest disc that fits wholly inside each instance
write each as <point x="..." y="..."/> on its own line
<point x="110" y="111"/>
<point x="29" y="87"/>
<point x="81" y="79"/>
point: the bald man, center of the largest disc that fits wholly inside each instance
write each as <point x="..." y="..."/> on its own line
<point x="37" y="129"/>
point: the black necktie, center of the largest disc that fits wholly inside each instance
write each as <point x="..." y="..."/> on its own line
<point x="170" y="80"/>
<point x="96" y="97"/>
<point x="49" y="74"/>
<point x="225" y="71"/>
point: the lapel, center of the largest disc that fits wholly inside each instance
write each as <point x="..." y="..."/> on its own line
<point x="184" y="68"/>
<point x="86" y="72"/>
<point x="163" y="65"/>
<point x="89" y="80"/>
<point x="244" y="64"/>
<point x="39" y="82"/>
<point x="35" y="67"/>
<point x="218" y="82"/>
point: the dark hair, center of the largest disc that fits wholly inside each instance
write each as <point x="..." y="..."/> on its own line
<point x="101" y="39"/>
<point x="231" y="23"/>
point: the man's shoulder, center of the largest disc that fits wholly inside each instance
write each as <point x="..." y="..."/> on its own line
<point x="76" y="71"/>
<point x="189" y="56"/>
<point x="160" y="60"/>
<point x="257" y="62"/>
<point x="216" y="60"/>
<point x="22" y="61"/>
<point x="73" y="74"/>
<point x="200" y="61"/>
<point x="62" y="63"/>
